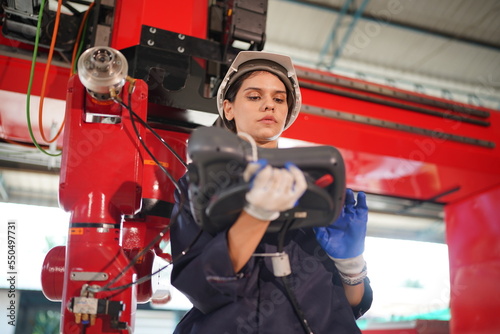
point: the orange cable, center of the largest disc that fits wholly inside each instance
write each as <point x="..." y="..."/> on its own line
<point x="17" y="143"/>
<point x="77" y="41"/>
<point x="45" y="78"/>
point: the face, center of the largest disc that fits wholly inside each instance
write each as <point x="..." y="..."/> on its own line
<point x="260" y="108"/>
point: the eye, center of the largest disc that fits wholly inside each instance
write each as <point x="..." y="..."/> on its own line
<point x="280" y="98"/>
<point x="253" y="97"/>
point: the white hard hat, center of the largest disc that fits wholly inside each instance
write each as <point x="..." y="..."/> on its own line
<point x="280" y="65"/>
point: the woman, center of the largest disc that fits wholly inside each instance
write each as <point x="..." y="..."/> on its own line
<point x="229" y="276"/>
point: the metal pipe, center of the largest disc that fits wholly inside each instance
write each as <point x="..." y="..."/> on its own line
<point x="355" y="19"/>
<point x="333" y="33"/>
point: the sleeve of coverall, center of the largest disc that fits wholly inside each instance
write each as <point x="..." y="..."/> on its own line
<point x="204" y="273"/>
<point x="366" y="301"/>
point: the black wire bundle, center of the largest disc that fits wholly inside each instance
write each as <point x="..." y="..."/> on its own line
<point x="173" y="219"/>
<point x="291" y="296"/>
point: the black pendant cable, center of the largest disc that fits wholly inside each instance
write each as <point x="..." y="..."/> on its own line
<point x="286" y="283"/>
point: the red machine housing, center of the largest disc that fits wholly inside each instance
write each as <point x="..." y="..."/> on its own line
<point x="102" y="181"/>
<point x="98" y="187"/>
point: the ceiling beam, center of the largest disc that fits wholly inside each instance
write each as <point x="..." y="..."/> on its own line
<point x="333" y="33"/>
<point x="350" y="29"/>
<point x="404" y="25"/>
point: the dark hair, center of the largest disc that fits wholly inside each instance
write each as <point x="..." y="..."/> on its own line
<point x="233" y="89"/>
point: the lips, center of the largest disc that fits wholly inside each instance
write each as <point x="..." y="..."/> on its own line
<point x="268" y="119"/>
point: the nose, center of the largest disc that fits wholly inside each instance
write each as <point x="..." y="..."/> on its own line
<point x="269" y="104"/>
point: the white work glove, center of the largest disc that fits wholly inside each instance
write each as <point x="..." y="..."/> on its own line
<point x="272" y="190"/>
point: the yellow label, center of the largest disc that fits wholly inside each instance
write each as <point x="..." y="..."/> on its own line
<point x="76" y="230"/>
<point x="151" y="162"/>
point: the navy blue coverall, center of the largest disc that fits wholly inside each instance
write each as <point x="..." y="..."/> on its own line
<point x="254" y="300"/>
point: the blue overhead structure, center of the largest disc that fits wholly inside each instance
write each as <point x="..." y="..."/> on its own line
<point x="333" y="34"/>
<point x="357" y="15"/>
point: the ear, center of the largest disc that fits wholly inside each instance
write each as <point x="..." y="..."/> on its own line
<point x="228" y="110"/>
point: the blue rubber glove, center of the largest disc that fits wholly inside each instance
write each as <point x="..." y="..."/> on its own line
<point x="344" y="239"/>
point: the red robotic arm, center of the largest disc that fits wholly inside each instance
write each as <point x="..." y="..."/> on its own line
<point x="111" y="242"/>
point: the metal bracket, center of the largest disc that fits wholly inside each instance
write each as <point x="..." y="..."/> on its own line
<point x="381" y="91"/>
<point x="395" y="126"/>
<point x="88" y="276"/>
<point x="180" y="44"/>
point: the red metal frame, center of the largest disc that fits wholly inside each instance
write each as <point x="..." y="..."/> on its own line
<point x="16" y="73"/>
<point x="473" y="234"/>
<point x="184" y="17"/>
<point x="398" y="163"/>
<point x="393" y="162"/>
<point x="100" y="184"/>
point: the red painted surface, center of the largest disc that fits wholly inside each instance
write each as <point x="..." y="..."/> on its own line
<point x="473" y="236"/>
<point x="156" y="184"/>
<point x="398" y="163"/>
<point x="103" y="178"/>
<point x="100" y="182"/>
<point x="378" y="87"/>
<point x="89" y="250"/>
<point x="184" y="17"/>
<point x="382" y="161"/>
<point x="52" y="275"/>
<point x="139" y="231"/>
<point x="95" y="184"/>
<point x="15" y="74"/>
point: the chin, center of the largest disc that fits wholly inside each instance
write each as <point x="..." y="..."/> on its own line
<point x="270" y="136"/>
